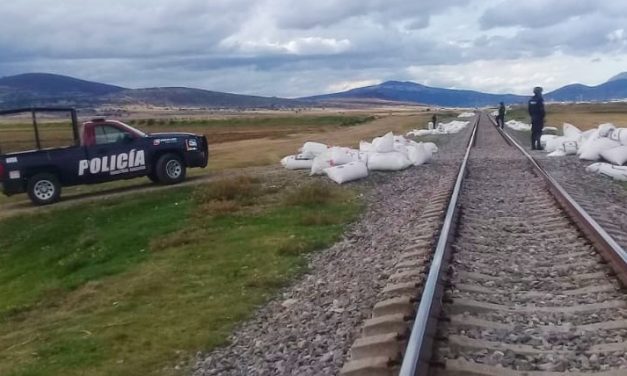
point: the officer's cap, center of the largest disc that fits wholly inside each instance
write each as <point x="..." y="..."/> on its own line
<point x="537" y="90"/>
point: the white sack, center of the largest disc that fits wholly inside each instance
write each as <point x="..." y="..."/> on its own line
<point x="549" y="129"/>
<point x="589" y="133"/>
<point x="569" y="147"/>
<point x="313" y="149"/>
<point x="557" y="153"/>
<point x="400" y="140"/>
<point x="619" y="135"/>
<point x="605" y="129"/>
<point x="393" y="161"/>
<point x="595" y="147"/>
<point x="617" y="155"/>
<point x="401" y="149"/>
<point x="384" y="144"/>
<point x="614" y="172"/>
<point x="595" y="167"/>
<point x="335" y="156"/>
<point x="553" y="143"/>
<point x="293" y="162"/>
<point x="570" y="131"/>
<point x="433" y="148"/>
<point x="348" y="172"/>
<point x="419" y="132"/>
<point x="320" y="163"/>
<point x="588" y="137"/>
<point x="518" y="126"/>
<point x="418" y="154"/>
<point x="366" y="146"/>
<point x="544" y="139"/>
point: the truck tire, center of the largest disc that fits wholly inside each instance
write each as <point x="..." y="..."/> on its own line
<point x="44" y="189"/>
<point x="170" y="169"/>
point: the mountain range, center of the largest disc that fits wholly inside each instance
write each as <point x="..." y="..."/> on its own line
<point x="38" y="89"/>
<point x="44" y="89"/>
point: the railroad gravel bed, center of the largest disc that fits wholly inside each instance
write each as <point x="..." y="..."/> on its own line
<point x="603" y="198"/>
<point x="309" y="328"/>
<point x="512" y="285"/>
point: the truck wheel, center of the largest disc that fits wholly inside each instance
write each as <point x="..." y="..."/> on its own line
<point x="170" y="169"/>
<point x="44" y="189"/>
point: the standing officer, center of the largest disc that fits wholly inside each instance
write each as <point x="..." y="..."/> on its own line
<point x="500" y="120"/>
<point x="536" y="111"/>
<point x="434" y="120"/>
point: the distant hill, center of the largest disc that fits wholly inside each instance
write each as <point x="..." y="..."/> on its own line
<point x="45" y="84"/>
<point x="611" y="90"/>
<point x="37" y="89"/>
<point x="620" y="76"/>
<point x="43" y="89"/>
<point x="186" y="97"/>
<point x="417" y="93"/>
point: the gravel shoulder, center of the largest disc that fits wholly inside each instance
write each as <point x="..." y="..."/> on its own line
<point x="603" y="198"/>
<point x="308" y="329"/>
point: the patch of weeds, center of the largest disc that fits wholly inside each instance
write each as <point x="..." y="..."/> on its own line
<point x="311" y="194"/>
<point x="319" y="218"/>
<point x="218" y="208"/>
<point x="240" y="188"/>
<point x="356" y="120"/>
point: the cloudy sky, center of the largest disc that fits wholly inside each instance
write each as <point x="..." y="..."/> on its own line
<point x="298" y="47"/>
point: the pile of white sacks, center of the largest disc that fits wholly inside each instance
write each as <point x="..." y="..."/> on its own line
<point x="518" y="125"/>
<point x="442" y="128"/>
<point x="606" y="143"/>
<point x="342" y="164"/>
<point x="466" y="115"/>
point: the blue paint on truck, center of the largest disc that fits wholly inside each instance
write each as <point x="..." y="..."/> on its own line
<point x="104" y="150"/>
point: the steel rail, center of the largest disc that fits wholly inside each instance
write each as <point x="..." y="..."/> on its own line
<point x="420" y="343"/>
<point x="610" y="250"/>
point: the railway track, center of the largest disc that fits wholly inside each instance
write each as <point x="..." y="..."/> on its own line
<point x="522" y="281"/>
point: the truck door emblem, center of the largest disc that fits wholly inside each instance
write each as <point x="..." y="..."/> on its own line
<point x="114" y="164"/>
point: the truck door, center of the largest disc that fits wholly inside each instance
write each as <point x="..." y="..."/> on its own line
<point x="116" y="153"/>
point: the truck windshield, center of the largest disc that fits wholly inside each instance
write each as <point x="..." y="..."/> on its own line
<point x="137" y="131"/>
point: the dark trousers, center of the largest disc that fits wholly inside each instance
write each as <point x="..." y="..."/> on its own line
<point x="500" y="121"/>
<point x="536" y="133"/>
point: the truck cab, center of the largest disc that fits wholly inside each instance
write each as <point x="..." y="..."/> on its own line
<point x="103" y="150"/>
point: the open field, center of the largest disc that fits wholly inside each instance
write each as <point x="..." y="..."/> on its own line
<point x="138" y="285"/>
<point x="584" y="116"/>
<point x="236" y="142"/>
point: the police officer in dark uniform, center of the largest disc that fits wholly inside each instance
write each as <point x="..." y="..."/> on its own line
<point x="434" y="120"/>
<point x="500" y="119"/>
<point x="536" y="111"/>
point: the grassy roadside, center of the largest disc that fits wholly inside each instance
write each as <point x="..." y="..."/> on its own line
<point x="135" y="286"/>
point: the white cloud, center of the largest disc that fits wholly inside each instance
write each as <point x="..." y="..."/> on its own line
<point x="348" y="85"/>
<point x="293" y="47"/>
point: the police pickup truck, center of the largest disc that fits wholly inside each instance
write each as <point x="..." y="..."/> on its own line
<point x="102" y="150"/>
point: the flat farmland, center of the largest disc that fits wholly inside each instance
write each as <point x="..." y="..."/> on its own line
<point x="235" y="142"/>
<point x="583" y="115"/>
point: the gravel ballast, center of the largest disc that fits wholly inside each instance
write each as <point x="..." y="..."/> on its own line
<point x="516" y="298"/>
<point x="603" y="198"/>
<point x="309" y="328"/>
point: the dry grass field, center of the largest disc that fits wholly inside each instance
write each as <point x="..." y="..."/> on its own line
<point x="583" y="115"/>
<point x="236" y="140"/>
